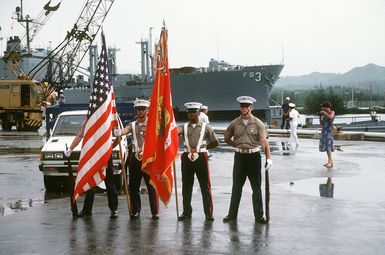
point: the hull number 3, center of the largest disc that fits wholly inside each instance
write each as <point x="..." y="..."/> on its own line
<point x="256" y="75"/>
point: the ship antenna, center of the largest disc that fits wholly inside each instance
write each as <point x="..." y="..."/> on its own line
<point x="218" y="46"/>
<point x="283" y="55"/>
<point x="150" y="55"/>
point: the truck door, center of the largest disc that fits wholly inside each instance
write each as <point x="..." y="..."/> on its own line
<point x="4" y="95"/>
<point x="15" y="96"/>
<point x="25" y="95"/>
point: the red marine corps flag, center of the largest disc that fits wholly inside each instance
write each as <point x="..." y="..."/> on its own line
<point x="161" y="141"/>
<point x="97" y="140"/>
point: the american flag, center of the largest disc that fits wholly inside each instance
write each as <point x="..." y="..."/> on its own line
<point x="97" y="140"/>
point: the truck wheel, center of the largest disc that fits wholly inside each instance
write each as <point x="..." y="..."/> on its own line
<point x="6" y="125"/>
<point x="20" y="123"/>
<point x="52" y="183"/>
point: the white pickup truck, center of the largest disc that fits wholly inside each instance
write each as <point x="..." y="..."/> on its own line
<point x="54" y="164"/>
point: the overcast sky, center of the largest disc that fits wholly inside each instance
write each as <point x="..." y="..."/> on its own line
<point x="322" y="35"/>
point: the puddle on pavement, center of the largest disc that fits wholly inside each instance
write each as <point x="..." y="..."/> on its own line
<point x="361" y="188"/>
<point x="18" y="206"/>
<point x="17" y="151"/>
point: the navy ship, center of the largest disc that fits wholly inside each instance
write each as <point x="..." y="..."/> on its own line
<point x="216" y="86"/>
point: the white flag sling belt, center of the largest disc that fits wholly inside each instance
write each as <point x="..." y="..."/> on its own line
<point x="193" y="153"/>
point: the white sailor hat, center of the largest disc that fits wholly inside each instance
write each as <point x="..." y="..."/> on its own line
<point x="291" y="105"/>
<point x="204" y="107"/>
<point x="246" y="100"/>
<point x="287" y="98"/>
<point x="193" y="106"/>
<point x="141" y="103"/>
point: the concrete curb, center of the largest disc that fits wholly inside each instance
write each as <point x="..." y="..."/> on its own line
<point x="315" y="134"/>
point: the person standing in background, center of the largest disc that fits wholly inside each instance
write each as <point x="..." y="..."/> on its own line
<point x="326" y="119"/>
<point x="293" y="118"/>
<point x="285" y="113"/>
<point x="203" y="117"/>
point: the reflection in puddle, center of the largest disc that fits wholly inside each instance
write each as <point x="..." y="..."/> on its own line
<point x="20" y="205"/>
<point x="14" y="150"/>
<point x="326" y="189"/>
<point x="362" y="188"/>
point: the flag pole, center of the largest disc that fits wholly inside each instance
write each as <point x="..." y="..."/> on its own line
<point x="71" y="185"/>
<point x="176" y="189"/>
<point x="267" y="192"/>
<point x="124" y="177"/>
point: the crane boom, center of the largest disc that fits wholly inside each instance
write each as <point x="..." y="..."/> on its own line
<point x="32" y="27"/>
<point x="65" y="59"/>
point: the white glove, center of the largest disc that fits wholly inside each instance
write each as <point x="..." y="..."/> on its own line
<point x="67" y="153"/>
<point x="269" y="163"/>
<point x="117" y="132"/>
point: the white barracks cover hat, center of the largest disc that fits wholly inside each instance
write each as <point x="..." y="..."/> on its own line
<point x="292" y="105"/>
<point x="246" y="100"/>
<point x="193" y="105"/>
<point x="141" y="103"/>
<point x="204" y="107"/>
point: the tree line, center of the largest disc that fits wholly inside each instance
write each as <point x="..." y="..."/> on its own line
<point x="309" y="101"/>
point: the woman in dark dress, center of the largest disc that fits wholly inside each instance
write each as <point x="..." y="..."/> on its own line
<point x="326" y="141"/>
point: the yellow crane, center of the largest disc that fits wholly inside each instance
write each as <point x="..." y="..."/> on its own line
<point x="21" y="97"/>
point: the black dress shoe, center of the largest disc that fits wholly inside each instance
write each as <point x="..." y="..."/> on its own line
<point x="261" y="220"/>
<point x="134" y="215"/>
<point x="155" y="217"/>
<point x="229" y="218"/>
<point x="209" y="217"/>
<point x="84" y="213"/>
<point x="114" y="215"/>
<point x="184" y="217"/>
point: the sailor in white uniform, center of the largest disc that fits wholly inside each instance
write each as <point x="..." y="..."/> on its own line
<point x="203" y="117"/>
<point x="293" y="118"/>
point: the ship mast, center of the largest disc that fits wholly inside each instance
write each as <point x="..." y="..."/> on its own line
<point x="27" y="20"/>
<point x="151" y="70"/>
<point x="147" y="60"/>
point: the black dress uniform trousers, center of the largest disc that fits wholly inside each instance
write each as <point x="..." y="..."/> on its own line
<point x="135" y="177"/>
<point x="201" y="168"/>
<point x="246" y="165"/>
<point x="112" y="193"/>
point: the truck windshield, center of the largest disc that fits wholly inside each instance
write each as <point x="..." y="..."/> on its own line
<point x="68" y="125"/>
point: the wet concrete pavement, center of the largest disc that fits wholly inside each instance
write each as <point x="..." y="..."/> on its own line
<point x="21" y="186"/>
<point x="302" y="222"/>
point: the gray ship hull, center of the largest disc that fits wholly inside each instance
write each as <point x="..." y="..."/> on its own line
<point x="27" y="62"/>
<point x="217" y="90"/>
